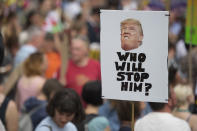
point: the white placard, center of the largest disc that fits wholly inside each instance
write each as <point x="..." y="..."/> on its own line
<point x="134" y="50"/>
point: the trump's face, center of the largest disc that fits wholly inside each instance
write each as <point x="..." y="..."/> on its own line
<point x="131" y="37"/>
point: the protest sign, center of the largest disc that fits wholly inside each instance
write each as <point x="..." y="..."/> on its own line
<point x="134" y="50"/>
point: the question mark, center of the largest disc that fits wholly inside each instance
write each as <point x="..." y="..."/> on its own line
<point x="147" y="88"/>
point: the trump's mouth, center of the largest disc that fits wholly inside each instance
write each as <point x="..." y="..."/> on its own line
<point x="126" y="37"/>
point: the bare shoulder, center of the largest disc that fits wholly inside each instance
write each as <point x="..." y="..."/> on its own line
<point x="11" y="110"/>
<point x="12" y="104"/>
<point x="194" y="117"/>
<point x="12" y="116"/>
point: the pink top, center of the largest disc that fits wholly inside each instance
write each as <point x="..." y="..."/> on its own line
<point x="28" y="87"/>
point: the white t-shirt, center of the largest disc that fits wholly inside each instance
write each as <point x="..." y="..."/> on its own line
<point x="24" y="52"/>
<point x="160" y="121"/>
<point x="48" y="125"/>
<point x="181" y="50"/>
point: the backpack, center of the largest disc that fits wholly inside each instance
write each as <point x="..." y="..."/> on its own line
<point x="25" y="122"/>
<point x="88" y="119"/>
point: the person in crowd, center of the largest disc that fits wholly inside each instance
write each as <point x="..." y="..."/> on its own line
<point x="81" y="68"/>
<point x="44" y="6"/>
<point x="79" y="28"/>
<point x="10" y="32"/>
<point x="52" y="54"/>
<point x="185" y="97"/>
<point x="171" y="56"/>
<point x="63" y="108"/>
<point x="91" y="94"/>
<point x="111" y="109"/>
<point x="72" y="8"/>
<point x="31" y="82"/>
<point x="181" y="50"/>
<point x="35" y="41"/>
<point x="161" y="119"/>
<point x="174" y="27"/>
<point x="39" y="102"/>
<point x="124" y="110"/>
<point x="145" y="108"/>
<point x="54" y="20"/>
<point x="8" y="111"/>
<point x="185" y="66"/>
<point x="93" y="25"/>
<point x="6" y="65"/>
<point x="108" y="109"/>
<point x="34" y="19"/>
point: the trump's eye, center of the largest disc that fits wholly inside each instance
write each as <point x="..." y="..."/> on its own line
<point x="132" y="28"/>
<point x="123" y="28"/>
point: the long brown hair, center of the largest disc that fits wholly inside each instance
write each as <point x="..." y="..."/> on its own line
<point x="33" y="64"/>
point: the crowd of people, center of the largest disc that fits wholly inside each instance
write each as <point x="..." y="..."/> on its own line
<point x="50" y="76"/>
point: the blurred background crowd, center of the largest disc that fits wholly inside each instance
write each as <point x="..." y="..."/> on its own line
<point x="52" y="46"/>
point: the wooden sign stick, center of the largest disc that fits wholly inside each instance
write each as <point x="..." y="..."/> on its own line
<point x="133" y="117"/>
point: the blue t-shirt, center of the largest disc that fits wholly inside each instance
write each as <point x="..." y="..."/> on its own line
<point x="24" y="52"/>
<point x="48" y="125"/>
<point x="111" y="114"/>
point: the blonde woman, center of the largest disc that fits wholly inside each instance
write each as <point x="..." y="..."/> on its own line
<point x="184" y="96"/>
<point x="32" y="80"/>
